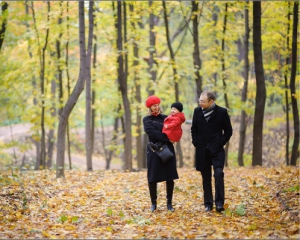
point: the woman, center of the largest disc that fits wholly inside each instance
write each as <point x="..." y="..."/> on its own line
<point x="157" y="170"/>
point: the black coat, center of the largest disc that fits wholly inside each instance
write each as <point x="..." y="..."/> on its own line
<point x="158" y="171"/>
<point x="211" y="135"/>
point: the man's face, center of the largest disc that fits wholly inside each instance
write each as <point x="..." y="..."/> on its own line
<point x="204" y="102"/>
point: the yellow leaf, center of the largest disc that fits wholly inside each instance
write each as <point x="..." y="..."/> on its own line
<point x="19" y="215"/>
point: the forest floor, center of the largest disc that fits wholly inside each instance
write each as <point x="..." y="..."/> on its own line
<point x="261" y="203"/>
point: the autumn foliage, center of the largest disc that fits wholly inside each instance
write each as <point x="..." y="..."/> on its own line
<point x="260" y="203"/>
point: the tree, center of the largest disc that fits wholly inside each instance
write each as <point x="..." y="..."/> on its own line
<point x="138" y="98"/>
<point x="260" y="98"/>
<point x="153" y="19"/>
<point x="68" y="84"/>
<point x="287" y="61"/>
<point x="42" y="58"/>
<point x="224" y="74"/>
<point x="94" y="91"/>
<point x="88" y="114"/>
<point x="4" y="7"/>
<point x="243" y="124"/>
<point x="295" y="148"/>
<point x="34" y="87"/>
<point x="59" y="76"/>
<point x="63" y="121"/>
<point x="196" y="53"/>
<point x="122" y="80"/>
<point x="182" y="26"/>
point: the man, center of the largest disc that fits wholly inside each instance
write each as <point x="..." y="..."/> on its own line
<point x="211" y="130"/>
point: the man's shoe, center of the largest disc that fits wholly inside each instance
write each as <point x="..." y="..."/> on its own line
<point x="219" y="208"/>
<point x="208" y="209"/>
<point x="170" y="208"/>
<point x="153" y="207"/>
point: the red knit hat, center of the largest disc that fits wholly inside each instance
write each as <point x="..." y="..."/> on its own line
<point x="151" y="100"/>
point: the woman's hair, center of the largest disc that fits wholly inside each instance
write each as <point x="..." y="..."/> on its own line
<point x="210" y="95"/>
<point x="160" y="111"/>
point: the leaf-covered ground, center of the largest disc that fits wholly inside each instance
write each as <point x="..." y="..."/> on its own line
<point x="260" y="203"/>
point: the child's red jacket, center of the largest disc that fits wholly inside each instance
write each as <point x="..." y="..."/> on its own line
<point x="174" y="131"/>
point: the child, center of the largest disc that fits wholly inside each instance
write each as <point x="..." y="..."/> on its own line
<point x="172" y="124"/>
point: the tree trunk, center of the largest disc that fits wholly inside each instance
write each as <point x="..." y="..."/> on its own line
<point x="59" y="68"/>
<point x="51" y="138"/>
<point x="68" y="87"/>
<point x="183" y="26"/>
<point x="94" y="92"/>
<point x="287" y="61"/>
<point x="34" y="87"/>
<point x="122" y="78"/>
<point x="4" y="7"/>
<point x="152" y="50"/>
<point x="175" y="76"/>
<point x="113" y="141"/>
<point x="38" y="154"/>
<point x="215" y="17"/>
<point x="223" y="57"/>
<point x="138" y="98"/>
<point x="224" y="75"/>
<point x="196" y="53"/>
<point x="243" y="125"/>
<point x="260" y="98"/>
<point x="152" y="67"/>
<point x="42" y="76"/>
<point x="295" y="148"/>
<point x="63" y="121"/>
<point x="88" y="121"/>
<point x="128" y="133"/>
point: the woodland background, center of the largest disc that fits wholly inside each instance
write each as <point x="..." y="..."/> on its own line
<point x="76" y="75"/>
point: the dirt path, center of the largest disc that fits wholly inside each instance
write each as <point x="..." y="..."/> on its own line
<point x="79" y="162"/>
<point x="9" y="132"/>
<point x="20" y="131"/>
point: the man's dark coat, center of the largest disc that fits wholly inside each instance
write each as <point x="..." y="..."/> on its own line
<point x="157" y="170"/>
<point x="212" y="135"/>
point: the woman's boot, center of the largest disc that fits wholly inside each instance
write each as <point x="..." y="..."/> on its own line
<point x="153" y="196"/>
<point x="170" y="188"/>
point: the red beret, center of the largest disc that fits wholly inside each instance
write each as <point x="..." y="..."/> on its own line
<point x="151" y="101"/>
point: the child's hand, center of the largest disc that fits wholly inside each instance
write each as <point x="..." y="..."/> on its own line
<point x="166" y="126"/>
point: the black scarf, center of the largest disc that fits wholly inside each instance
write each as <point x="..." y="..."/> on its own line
<point x="208" y="112"/>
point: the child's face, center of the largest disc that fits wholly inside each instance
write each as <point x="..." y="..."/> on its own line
<point x="174" y="110"/>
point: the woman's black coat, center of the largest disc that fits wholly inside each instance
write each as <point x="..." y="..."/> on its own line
<point x="158" y="171"/>
<point x="212" y="135"/>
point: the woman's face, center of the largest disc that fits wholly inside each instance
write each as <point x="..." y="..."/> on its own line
<point x="155" y="108"/>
